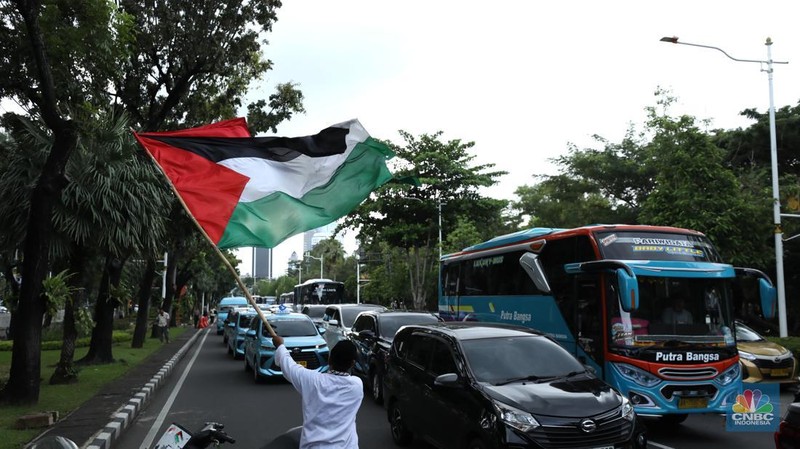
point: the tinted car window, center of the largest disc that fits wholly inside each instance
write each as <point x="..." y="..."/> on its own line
<point x="314" y="312"/>
<point x="418" y="350"/>
<point x="364" y="322"/>
<point x="519" y="357"/>
<point x="442" y="361"/>
<point x="391" y="323"/>
<point x="349" y="315"/>
<point x="244" y="321"/>
<point x="292" y="328"/>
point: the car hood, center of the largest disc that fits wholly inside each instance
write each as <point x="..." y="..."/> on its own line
<point x="562" y="398"/>
<point x="766" y="348"/>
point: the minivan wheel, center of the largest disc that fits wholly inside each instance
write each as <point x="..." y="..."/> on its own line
<point x="377" y="387"/>
<point x="674" y="420"/>
<point x="400" y="433"/>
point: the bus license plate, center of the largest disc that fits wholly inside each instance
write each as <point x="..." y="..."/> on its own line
<point x="779" y="372"/>
<point x="692" y="402"/>
<point x="302" y="363"/>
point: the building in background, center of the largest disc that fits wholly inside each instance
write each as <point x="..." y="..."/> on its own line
<point x="314" y="236"/>
<point x="262" y="263"/>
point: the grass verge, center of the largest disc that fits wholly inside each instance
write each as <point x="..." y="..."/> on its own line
<point x="66" y="398"/>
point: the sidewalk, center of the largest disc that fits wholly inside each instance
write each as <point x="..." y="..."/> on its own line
<point x="100" y="421"/>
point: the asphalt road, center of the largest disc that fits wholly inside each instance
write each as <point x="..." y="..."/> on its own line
<point x="208" y="385"/>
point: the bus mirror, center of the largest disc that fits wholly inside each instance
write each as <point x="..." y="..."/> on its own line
<point x="628" y="288"/>
<point x="768" y="293"/>
<point x="531" y="264"/>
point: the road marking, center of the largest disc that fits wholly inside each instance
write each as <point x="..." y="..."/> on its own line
<point x="649" y="443"/>
<point x="151" y="435"/>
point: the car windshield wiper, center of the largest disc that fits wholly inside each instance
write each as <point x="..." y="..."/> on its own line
<point x="572" y="373"/>
<point x="524" y="378"/>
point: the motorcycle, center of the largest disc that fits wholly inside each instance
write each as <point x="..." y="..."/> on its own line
<point x="177" y="437"/>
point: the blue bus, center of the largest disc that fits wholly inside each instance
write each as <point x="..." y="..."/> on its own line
<point x="649" y="309"/>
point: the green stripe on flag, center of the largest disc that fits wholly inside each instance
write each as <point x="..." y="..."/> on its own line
<point x="270" y="220"/>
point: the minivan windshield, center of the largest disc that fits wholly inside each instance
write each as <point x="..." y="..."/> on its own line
<point x="531" y="358"/>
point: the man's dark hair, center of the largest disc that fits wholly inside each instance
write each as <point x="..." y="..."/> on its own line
<point x="342" y="355"/>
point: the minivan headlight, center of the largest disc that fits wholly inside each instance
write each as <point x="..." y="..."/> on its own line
<point x="627" y="409"/>
<point x="637" y="375"/>
<point x="729" y="375"/>
<point x="516" y="418"/>
<point x="747" y="355"/>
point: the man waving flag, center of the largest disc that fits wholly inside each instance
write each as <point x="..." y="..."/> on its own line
<point x="259" y="191"/>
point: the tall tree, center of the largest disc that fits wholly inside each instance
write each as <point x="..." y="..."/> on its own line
<point x="408" y="217"/>
<point x="71" y="45"/>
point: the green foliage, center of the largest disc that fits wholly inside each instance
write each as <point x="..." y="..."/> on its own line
<point x="193" y="61"/>
<point x="57" y="291"/>
<point x="696" y="191"/>
<point x="465" y="234"/>
<point x="51" y="345"/>
<point x="84" y="42"/>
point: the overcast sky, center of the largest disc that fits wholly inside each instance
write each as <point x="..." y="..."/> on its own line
<point x="523" y="79"/>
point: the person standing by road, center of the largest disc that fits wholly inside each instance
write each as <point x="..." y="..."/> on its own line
<point x="330" y="400"/>
<point x="163" y="325"/>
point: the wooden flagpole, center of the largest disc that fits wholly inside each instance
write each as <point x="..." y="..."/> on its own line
<point x="214" y="245"/>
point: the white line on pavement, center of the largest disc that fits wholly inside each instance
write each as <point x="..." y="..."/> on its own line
<point x="151" y="435"/>
<point x="650" y="443"/>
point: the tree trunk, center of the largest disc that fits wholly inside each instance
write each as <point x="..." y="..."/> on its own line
<point x="145" y="290"/>
<point x="65" y="372"/>
<point x="24" y="377"/>
<point x="102" y="335"/>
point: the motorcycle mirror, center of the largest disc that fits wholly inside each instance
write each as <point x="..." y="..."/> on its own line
<point x="54" y="442"/>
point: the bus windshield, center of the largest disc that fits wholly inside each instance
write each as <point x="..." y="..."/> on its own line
<point x="674" y="311"/>
<point x="633" y="245"/>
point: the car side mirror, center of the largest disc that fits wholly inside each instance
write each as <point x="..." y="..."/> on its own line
<point x="251" y="333"/>
<point x="366" y="333"/>
<point x="321" y="330"/>
<point x="231" y="324"/>
<point x="333" y="323"/>
<point x="449" y="380"/>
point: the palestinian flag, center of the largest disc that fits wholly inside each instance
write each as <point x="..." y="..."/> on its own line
<point x="259" y="191"/>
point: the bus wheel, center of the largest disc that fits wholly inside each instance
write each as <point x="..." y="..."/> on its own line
<point x="674" y="420"/>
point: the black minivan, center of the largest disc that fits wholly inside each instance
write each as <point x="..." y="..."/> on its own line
<point x="481" y="385"/>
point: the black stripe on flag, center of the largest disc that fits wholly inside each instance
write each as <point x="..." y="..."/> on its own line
<point x="328" y="142"/>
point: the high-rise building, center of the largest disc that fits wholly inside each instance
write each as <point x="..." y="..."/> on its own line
<point x="262" y="263"/>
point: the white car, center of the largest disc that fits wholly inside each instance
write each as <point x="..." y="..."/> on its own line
<point x="339" y="318"/>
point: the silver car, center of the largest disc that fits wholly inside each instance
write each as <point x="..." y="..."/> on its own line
<point x="339" y="318"/>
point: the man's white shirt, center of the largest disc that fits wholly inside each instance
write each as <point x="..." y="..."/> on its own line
<point x="330" y="404"/>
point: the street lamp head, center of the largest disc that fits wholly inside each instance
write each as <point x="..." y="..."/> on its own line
<point x="673" y="39"/>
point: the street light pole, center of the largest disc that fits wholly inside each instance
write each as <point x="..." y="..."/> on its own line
<point x="358" y="280"/>
<point x="321" y="263"/>
<point x="776" y="205"/>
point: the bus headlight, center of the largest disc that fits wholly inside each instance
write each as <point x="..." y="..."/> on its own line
<point x="729" y="375"/>
<point x="637" y="375"/>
